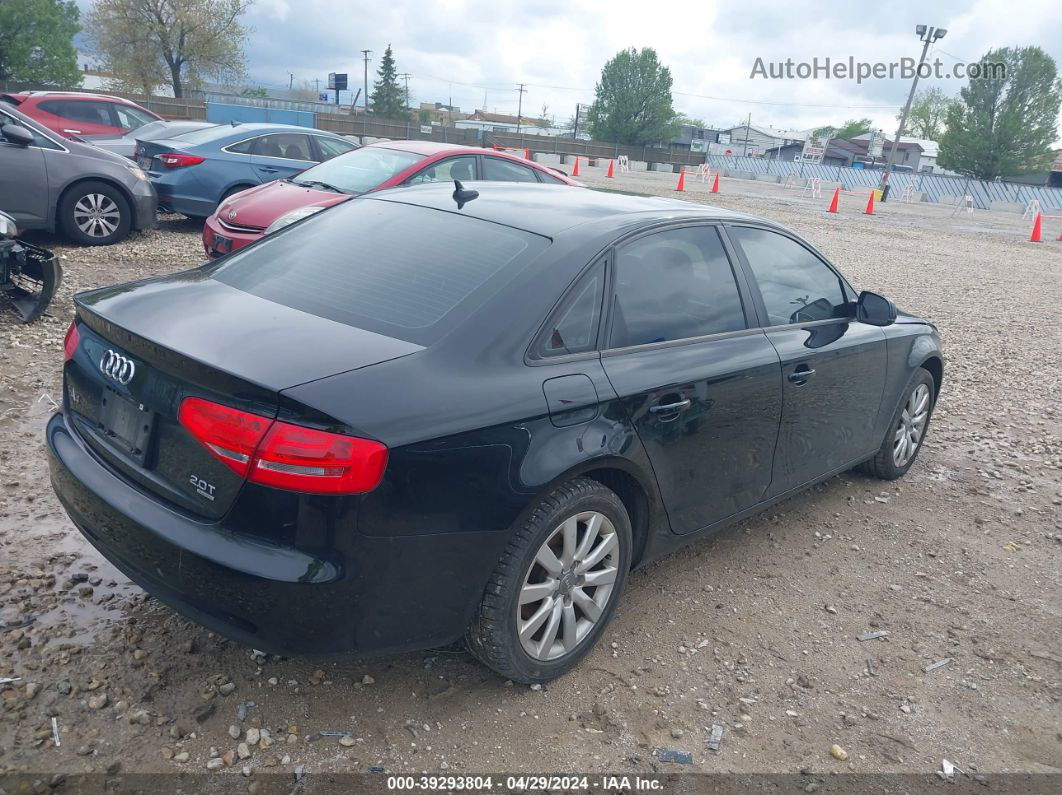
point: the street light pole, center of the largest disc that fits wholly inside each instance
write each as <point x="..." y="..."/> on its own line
<point x="365" y="53"/>
<point x="927" y="35"/>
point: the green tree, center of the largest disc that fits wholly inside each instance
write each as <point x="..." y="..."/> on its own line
<point x="37" y="42"/>
<point x="1004" y="124"/>
<point x="388" y="98"/>
<point x="177" y="43"/>
<point x="257" y="92"/>
<point x="928" y="112"/>
<point x="632" y="100"/>
<point x="850" y="129"/>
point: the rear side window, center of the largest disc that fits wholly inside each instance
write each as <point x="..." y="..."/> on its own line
<point x="549" y="178"/>
<point x="673" y="285"/>
<point x="494" y="168"/>
<point x="396" y="269"/>
<point x="290" y="146"/>
<point x="79" y="110"/>
<point x="332" y="147"/>
<point x="797" y="286"/>
<point x="573" y="328"/>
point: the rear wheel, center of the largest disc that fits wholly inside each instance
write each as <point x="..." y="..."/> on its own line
<point x="556" y="587"/>
<point x="95" y="214"/>
<point x="906" y="432"/>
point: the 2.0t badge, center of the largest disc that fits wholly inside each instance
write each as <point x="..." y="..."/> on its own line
<point x="117" y="367"/>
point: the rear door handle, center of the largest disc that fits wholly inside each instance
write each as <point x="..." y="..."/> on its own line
<point x="671" y="408"/>
<point x="268" y="169"/>
<point x="799" y="377"/>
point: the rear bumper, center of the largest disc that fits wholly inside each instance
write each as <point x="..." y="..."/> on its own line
<point x="379" y="595"/>
<point x="177" y="194"/>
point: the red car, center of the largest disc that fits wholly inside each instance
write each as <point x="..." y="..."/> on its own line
<point x="247" y="216"/>
<point x="83" y="115"/>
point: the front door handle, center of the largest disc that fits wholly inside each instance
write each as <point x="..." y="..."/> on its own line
<point x="268" y="169"/>
<point x="801" y="376"/>
<point x="671" y="408"/>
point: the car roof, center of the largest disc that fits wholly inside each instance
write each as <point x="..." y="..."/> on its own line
<point x="73" y="95"/>
<point x="551" y="209"/>
<point x="425" y="147"/>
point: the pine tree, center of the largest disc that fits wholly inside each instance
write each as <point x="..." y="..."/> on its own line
<point x="388" y="99"/>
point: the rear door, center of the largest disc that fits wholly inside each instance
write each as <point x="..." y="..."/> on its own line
<point x="82" y="117"/>
<point x="833" y="367"/>
<point x="698" y="380"/>
<point x="281" y="155"/>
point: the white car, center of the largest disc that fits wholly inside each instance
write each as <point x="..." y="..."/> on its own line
<point x="125" y="145"/>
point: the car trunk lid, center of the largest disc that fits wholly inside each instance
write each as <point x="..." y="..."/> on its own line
<point x="142" y="352"/>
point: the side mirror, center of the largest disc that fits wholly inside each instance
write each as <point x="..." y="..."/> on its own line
<point x="875" y="310"/>
<point x="16" y="134"/>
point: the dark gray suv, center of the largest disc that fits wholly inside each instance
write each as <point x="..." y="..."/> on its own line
<point x="47" y="182"/>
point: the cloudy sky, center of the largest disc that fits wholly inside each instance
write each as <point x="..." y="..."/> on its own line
<point x="480" y="49"/>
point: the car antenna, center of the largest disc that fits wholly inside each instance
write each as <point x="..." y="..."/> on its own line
<point x="234" y="123"/>
<point x="463" y="196"/>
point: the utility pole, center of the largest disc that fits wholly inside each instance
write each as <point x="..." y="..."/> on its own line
<point x="291" y="79"/>
<point x="520" y="106"/>
<point x="927" y="35"/>
<point x="406" y="75"/>
<point x="745" y="148"/>
<point x="366" y="100"/>
<point x="575" y="129"/>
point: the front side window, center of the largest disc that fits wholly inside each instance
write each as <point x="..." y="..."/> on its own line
<point x="797" y="286"/>
<point x="674" y="285"/>
<point x="130" y="118"/>
<point x="290" y="146"/>
<point x="462" y="168"/>
<point x="333" y="147"/>
<point x="494" y="168"/>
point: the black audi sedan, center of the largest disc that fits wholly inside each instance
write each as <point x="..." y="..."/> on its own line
<point x="426" y="414"/>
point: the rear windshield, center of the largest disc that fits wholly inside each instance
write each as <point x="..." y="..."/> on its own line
<point x="207" y="134"/>
<point x="397" y="269"/>
<point x="361" y="170"/>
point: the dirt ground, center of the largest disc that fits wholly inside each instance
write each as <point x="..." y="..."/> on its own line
<point x="753" y="630"/>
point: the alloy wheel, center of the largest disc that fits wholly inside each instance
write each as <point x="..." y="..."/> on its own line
<point x="911" y="427"/>
<point x="97" y="215"/>
<point x="568" y="586"/>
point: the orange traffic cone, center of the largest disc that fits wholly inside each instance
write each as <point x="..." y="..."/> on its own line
<point x="682" y="180"/>
<point x="1036" y="236"/>
<point x="610" y="174"/>
<point x="575" y="171"/>
<point x="527" y="154"/>
<point x="870" y="204"/>
<point x="715" y="185"/>
<point x="836" y="200"/>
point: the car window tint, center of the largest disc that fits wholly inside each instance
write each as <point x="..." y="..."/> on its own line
<point x="499" y="170"/>
<point x="291" y="146"/>
<point x="414" y="274"/>
<point x="463" y="168"/>
<point x="79" y="110"/>
<point x="797" y="286"/>
<point x="574" y="326"/>
<point x="674" y="285"/>
<point x="332" y="147"/>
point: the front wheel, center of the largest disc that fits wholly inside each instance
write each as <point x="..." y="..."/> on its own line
<point x="95" y="214"/>
<point x="556" y="587"/>
<point x="907" y="430"/>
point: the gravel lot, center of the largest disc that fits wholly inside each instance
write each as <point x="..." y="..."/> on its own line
<point x="753" y="630"/>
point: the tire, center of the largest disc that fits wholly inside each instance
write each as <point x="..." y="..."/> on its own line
<point x="493" y="636"/>
<point x="95" y="214"/>
<point x="888" y="464"/>
<point x="233" y="191"/>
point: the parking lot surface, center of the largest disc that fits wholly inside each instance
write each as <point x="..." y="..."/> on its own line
<point x="754" y="630"/>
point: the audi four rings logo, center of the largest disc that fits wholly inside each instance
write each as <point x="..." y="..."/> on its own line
<point x="114" y="365"/>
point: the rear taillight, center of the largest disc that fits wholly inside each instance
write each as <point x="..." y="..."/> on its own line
<point x="177" y="160"/>
<point x="283" y="455"/>
<point x="73" y="337"/>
